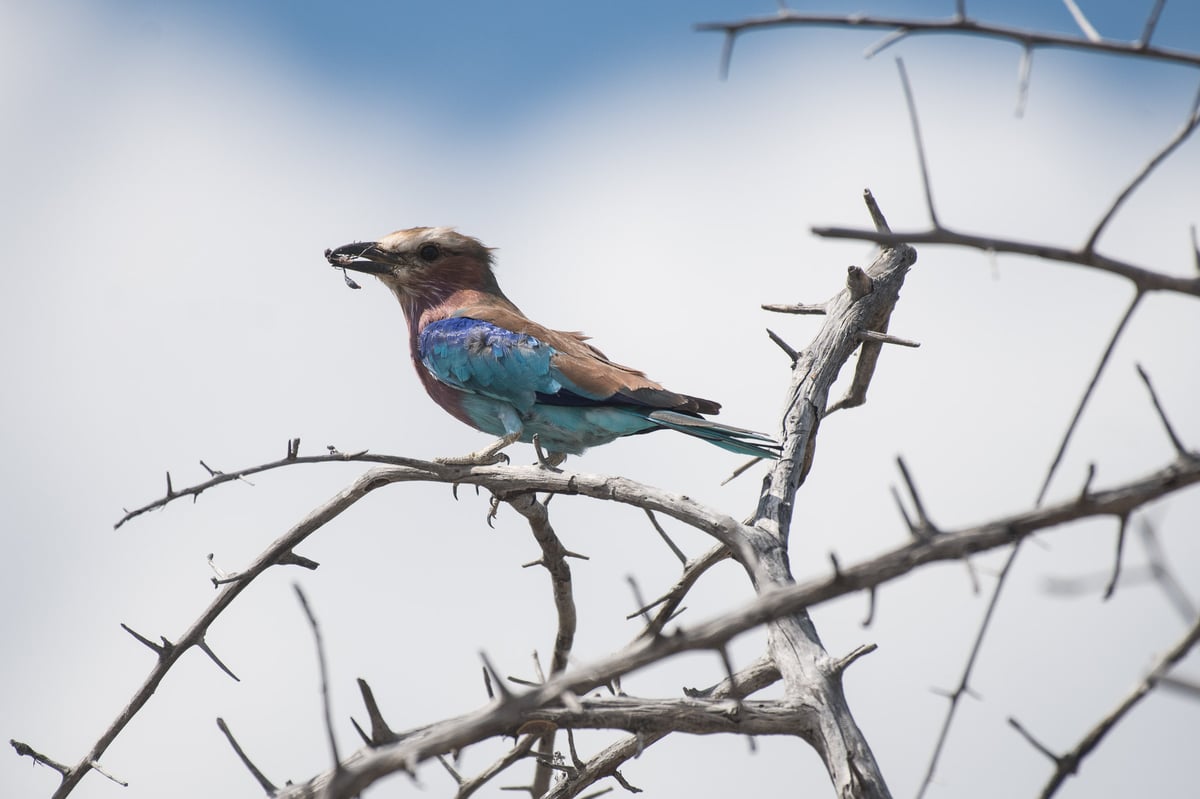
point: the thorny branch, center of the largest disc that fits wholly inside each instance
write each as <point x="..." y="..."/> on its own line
<point x="1066" y="765"/>
<point x="1087" y="394"/>
<point x="901" y="27"/>
<point x="963" y="687"/>
<point x="809" y="675"/>
<point x="668" y="604"/>
<point x="949" y="545"/>
<point x="264" y="783"/>
<point x="554" y="560"/>
<point x="758" y="675"/>
<point x="1144" y="280"/>
<point x="1184" y="457"/>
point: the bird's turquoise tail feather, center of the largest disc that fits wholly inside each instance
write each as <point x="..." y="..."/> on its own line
<point x="734" y="439"/>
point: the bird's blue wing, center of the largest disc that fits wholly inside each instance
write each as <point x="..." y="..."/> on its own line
<point x="545" y="387"/>
<point x="483" y="358"/>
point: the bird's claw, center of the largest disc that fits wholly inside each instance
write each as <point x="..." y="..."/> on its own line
<point x="550" y="461"/>
<point x="493" y="510"/>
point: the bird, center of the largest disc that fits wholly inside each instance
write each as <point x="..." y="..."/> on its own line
<point x="487" y="364"/>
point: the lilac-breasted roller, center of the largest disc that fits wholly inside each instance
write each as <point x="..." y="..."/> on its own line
<point x="489" y="366"/>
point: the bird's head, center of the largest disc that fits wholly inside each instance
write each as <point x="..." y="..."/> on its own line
<point x="421" y="263"/>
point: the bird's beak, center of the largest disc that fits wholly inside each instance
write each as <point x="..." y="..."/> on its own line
<point x="362" y="256"/>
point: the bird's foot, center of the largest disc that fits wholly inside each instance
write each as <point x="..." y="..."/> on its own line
<point x="487" y="456"/>
<point x="549" y="461"/>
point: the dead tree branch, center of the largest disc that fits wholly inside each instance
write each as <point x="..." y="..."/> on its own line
<point x="554" y="561"/>
<point x="1067" y="765"/>
<point x="903" y="27"/>
<point x="963" y="686"/>
<point x="780" y="601"/>
<point x="808" y="672"/>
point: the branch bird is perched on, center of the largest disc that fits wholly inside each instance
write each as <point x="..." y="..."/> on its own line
<point x="489" y="366"/>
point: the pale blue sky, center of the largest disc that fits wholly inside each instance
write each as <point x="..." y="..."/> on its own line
<point x="476" y="64"/>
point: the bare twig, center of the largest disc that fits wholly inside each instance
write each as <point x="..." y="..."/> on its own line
<point x="1068" y="764"/>
<point x="519" y="752"/>
<point x="916" y="134"/>
<point x="203" y="646"/>
<point x="291" y="458"/>
<point x="669" y="602"/>
<point x="264" y="783"/>
<point x="554" y="560"/>
<point x="497" y="690"/>
<point x="877" y="217"/>
<point x="1151" y="23"/>
<point x="884" y="338"/>
<point x="1033" y="741"/>
<point x="666" y="538"/>
<point x="870" y="617"/>
<point x="1176" y="442"/>
<point x="1082" y="21"/>
<point x="925" y="525"/>
<point x="194" y="635"/>
<point x="1087" y="481"/>
<point x="848" y="659"/>
<point x="1189" y="688"/>
<point x="1023" y="73"/>
<point x="727" y="54"/>
<point x="964" y="681"/>
<point x="873" y="332"/>
<point x="758" y="675"/>
<point x="96" y="767"/>
<point x="1096" y="581"/>
<point x="1163" y="576"/>
<point x="739" y="471"/>
<point x="908" y="522"/>
<point x="324" y="672"/>
<point x="959" y="24"/>
<point x="788" y="349"/>
<point x="450" y="769"/>
<point x="1143" y="279"/>
<point x="889" y="39"/>
<point x="811" y="310"/>
<point x="381" y="733"/>
<point x="160" y="649"/>
<point x="1087" y="393"/>
<point x="1195" y="247"/>
<point x="1189" y="126"/>
<point x="1111" y="588"/>
<point x="25" y="750"/>
<point x="638" y="599"/>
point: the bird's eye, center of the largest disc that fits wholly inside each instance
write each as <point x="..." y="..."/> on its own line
<point x="429" y="252"/>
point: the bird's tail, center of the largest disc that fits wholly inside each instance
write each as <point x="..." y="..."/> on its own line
<point x="734" y="439"/>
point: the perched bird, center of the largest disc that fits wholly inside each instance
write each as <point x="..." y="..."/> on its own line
<point x="489" y="366"/>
